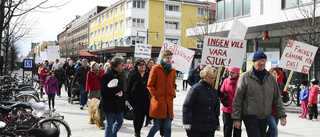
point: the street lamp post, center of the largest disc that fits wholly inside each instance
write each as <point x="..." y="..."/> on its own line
<point x="147" y="33"/>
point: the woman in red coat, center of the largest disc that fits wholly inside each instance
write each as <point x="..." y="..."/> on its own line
<point x="43" y="74"/>
<point x="93" y="81"/>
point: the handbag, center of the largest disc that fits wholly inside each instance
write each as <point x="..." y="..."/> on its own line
<point x="128" y="114"/>
<point x="285" y="96"/>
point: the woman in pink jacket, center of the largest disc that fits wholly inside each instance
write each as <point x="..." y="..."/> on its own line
<point x="229" y="86"/>
<point x="313" y="98"/>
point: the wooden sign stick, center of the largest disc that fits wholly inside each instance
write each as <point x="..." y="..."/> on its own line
<point x="218" y="78"/>
<point x="288" y="81"/>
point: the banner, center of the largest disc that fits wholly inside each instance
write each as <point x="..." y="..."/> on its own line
<point x="226" y="52"/>
<point x="238" y="30"/>
<point x="53" y="53"/>
<point x="182" y="57"/>
<point x="298" y="56"/>
<point x="142" y="51"/>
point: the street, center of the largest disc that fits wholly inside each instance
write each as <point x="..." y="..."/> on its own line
<point x="78" y="120"/>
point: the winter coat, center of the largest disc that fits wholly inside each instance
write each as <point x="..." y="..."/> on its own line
<point x="137" y="91"/>
<point x="313" y="94"/>
<point x="81" y="75"/>
<point x="304" y="93"/>
<point x="70" y="70"/>
<point x="161" y="86"/>
<point x="43" y="75"/>
<point x="51" y="85"/>
<point x="93" y="81"/>
<point x="194" y="76"/>
<point x="229" y="87"/>
<point x="256" y="99"/>
<point x="201" y="108"/>
<point x="111" y="103"/>
<point x="59" y="74"/>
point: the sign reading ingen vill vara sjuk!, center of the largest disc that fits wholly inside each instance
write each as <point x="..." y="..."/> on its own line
<point x="219" y="51"/>
<point x="298" y="56"/>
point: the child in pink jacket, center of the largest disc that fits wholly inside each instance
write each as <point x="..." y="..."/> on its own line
<point x="313" y="98"/>
<point x="52" y="88"/>
<point x="229" y="86"/>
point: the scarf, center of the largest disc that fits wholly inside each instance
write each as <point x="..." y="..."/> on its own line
<point x="167" y="67"/>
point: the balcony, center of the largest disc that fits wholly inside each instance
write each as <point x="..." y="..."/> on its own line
<point x="173" y="32"/>
<point x="173" y="14"/>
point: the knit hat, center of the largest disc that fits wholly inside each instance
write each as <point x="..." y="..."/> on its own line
<point x="305" y="83"/>
<point x="234" y="70"/>
<point x="259" y="55"/>
<point x="314" y="81"/>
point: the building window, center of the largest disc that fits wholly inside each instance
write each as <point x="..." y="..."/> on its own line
<point x="91" y="24"/>
<point x="138" y="4"/>
<point x="199" y="44"/>
<point x="172" y="8"/>
<point x="95" y="34"/>
<point x="128" y="23"/>
<point x="111" y="13"/>
<point x="111" y="28"/>
<point x="102" y="31"/>
<point x="121" y="8"/>
<point x="227" y="9"/>
<point x="202" y="11"/>
<point x="121" y="25"/>
<point x="116" y="11"/>
<point x="99" y="20"/>
<point x="172" y="25"/>
<point x="172" y="40"/>
<point x="96" y="21"/>
<point x="106" y="30"/>
<point x="102" y="18"/>
<point x="116" y="27"/>
<point x="99" y="33"/>
<point x="137" y="22"/>
<point x="107" y="16"/>
<point x="91" y="35"/>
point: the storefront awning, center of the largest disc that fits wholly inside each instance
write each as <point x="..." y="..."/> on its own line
<point x="112" y="41"/>
<point x="139" y="36"/>
<point x="119" y="39"/>
<point x="85" y="53"/>
<point x="172" y="39"/>
<point x="89" y="47"/>
<point x="125" y="38"/>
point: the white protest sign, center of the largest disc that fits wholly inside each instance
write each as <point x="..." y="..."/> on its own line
<point x="182" y="57"/>
<point x="298" y="56"/>
<point x="142" y="51"/>
<point x="226" y="52"/>
<point x="37" y="59"/>
<point x="43" y="56"/>
<point x="53" y="53"/>
<point x="238" y="30"/>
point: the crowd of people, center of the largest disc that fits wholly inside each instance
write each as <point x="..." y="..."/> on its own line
<point x="253" y="97"/>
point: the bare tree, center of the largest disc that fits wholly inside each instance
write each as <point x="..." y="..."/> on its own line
<point x="13" y="52"/>
<point x="17" y="10"/>
<point x="305" y="25"/>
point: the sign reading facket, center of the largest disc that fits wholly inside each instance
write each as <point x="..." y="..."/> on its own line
<point x="226" y="52"/>
<point x="182" y="57"/>
<point x="142" y="51"/>
<point x="298" y="56"/>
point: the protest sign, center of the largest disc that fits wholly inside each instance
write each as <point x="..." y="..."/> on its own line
<point x="219" y="51"/>
<point x="53" y="53"/>
<point x="142" y="51"/>
<point x="238" y="30"/>
<point x="298" y="56"/>
<point x="43" y="56"/>
<point x="182" y="57"/>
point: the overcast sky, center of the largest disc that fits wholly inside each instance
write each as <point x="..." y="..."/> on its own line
<point x="50" y="24"/>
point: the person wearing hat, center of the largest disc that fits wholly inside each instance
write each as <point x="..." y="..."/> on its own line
<point x="304" y="93"/>
<point x="93" y="81"/>
<point x="256" y="93"/>
<point x="229" y="86"/>
<point x="313" y="98"/>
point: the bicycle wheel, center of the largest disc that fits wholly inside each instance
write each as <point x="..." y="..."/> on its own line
<point x="27" y="98"/>
<point x="56" y="123"/>
<point x="288" y="103"/>
<point x="295" y="95"/>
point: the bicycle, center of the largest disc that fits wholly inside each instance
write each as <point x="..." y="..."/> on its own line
<point x="292" y="93"/>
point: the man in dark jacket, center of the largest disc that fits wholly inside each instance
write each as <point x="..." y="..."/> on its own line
<point x="194" y="76"/>
<point x="81" y="78"/>
<point x="70" y="71"/>
<point x="112" y="97"/>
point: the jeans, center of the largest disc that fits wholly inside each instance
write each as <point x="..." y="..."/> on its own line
<point x="273" y="121"/>
<point x="185" y="84"/>
<point x="83" y="94"/>
<point x="157" y="124"/>
<point x="51" y="98"/>
<point x="228" y="126"/>
<point x="255" y="127"/>
<point x="110" y="128"/>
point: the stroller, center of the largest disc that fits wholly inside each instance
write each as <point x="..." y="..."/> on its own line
<point x="75" y="94"/>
